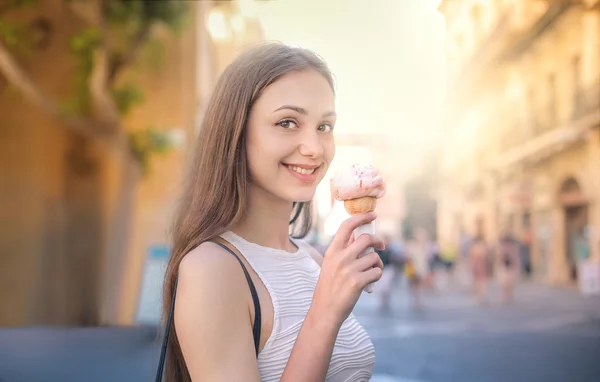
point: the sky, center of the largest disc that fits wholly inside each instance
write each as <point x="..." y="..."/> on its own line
<point x="388" y="58"/>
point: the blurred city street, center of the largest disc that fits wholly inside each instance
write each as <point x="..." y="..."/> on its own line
<point x="547" y="335"/>
<point x="482" y="116"/>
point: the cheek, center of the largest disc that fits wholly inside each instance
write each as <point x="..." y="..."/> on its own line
<point x="256" y="158"/>
<point x="263" y="156"/>
<point x="329" y="151"/>
<point x="263" y="141"/>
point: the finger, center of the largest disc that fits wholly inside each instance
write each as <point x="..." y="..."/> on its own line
<point x="368" y="261"/>
<point x="350" y="240"/>
<point x="369" y="276"/>
<point x="363" y="242"/>
<point x="349" y="225"/>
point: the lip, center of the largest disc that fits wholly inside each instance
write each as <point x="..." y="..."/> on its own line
<point x="304" y="178"/>
<point x="304" y="166"/>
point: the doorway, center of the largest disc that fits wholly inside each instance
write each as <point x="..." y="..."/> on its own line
<point x="526" y="242"/>
<point x="575" y="223"/>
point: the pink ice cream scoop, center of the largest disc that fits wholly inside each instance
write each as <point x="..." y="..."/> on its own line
<point x="357" y="181"/>
<point x="359" y="186"/>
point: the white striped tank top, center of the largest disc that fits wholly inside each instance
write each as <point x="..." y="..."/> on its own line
<point x="290" y="279"/>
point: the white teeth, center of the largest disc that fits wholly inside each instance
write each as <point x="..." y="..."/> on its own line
<point x="302" y="170"/>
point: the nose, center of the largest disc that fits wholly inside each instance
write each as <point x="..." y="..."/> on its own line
<point x="311" y="145"/>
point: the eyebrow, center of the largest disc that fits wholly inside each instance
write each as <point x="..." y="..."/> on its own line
<point x="303" y="111"/>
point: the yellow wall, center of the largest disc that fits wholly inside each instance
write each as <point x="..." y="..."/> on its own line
<point x="171" y="104"/>
<point x="178" y="96"/>
<point x="34" y="204"/>
<point x="61" y="231"/>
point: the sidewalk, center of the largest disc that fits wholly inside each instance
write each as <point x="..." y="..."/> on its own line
<point x="549" y="334"/>
<point x="99" y="354"/>
<point x="536" y="308"/>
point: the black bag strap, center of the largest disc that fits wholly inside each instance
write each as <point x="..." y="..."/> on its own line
<point x="257" y="315"/>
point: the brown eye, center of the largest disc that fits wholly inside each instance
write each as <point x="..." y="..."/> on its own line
<point x="287" y="124"/>
<point x="325" y="128"/>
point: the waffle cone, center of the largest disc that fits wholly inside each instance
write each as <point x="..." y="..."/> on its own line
<point x="360" y="205"/>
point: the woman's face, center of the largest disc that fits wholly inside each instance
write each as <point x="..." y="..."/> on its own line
<point x="290" y="135"/>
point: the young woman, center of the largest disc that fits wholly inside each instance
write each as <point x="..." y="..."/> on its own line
<point x="265" y="144"/>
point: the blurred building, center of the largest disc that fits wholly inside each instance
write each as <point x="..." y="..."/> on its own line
<point x="222" y="30"/>
<point x="78" y="221"/>
<point x="524" y="120"/>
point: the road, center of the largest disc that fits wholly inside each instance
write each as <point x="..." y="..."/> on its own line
<point x="548" y="335"/>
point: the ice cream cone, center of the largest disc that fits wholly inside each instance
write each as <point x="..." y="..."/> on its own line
<point x="360" y="205"/>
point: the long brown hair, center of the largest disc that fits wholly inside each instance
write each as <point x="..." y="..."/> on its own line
<point x="215" y="194"/>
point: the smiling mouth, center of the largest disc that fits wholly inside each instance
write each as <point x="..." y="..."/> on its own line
<point x="303" y="171"/>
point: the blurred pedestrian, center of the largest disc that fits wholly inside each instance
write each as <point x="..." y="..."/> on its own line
<point x="581" y="252"/>
<point x="448" y="258"/>
<point x="507" y="264"/>
<point x="435" y="263"/>
<point x="479" y="264"/>
<point x="525" y="251"/>
<point x="418" y="267"/>
<point x="393" y="262"/>
<point x="463" y="270"/>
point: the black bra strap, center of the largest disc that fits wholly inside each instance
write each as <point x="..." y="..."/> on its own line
<point x="257" y="315"/>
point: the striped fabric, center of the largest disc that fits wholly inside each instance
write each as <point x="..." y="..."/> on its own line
<point x="290" y="279"/>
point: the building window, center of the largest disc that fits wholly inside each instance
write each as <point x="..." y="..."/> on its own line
<point x="532" y="117"/>
<point x="551" y="101"/>
<point x="576" y="73"/>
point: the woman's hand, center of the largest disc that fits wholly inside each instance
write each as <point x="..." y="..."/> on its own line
<point x="344" y="274"/>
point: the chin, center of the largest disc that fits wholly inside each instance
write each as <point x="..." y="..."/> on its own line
<point x="302" y="200"/>
<point x="299" y="197"/>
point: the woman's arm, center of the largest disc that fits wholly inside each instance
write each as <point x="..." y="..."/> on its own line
<point x="214" y="329"/>
<point x="212" y="317"/>
<point x="342" y="279"/>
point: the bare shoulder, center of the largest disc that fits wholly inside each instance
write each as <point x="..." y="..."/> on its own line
<point x="209" y="265"/>
<point x="212" y="317"/>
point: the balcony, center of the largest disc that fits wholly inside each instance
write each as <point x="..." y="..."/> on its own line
<point x="536" y="149"/>
<point x="545" y="119"/>
<point x="522" y="130"/>
<point x="515" y="134"/>
<point x="586" y="101"/>
<point x="543" y="134"/>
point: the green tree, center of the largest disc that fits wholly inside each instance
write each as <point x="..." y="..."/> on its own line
<point x="114" y="34"/>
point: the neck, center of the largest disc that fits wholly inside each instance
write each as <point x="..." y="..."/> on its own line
<point x="266" y="221"/>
